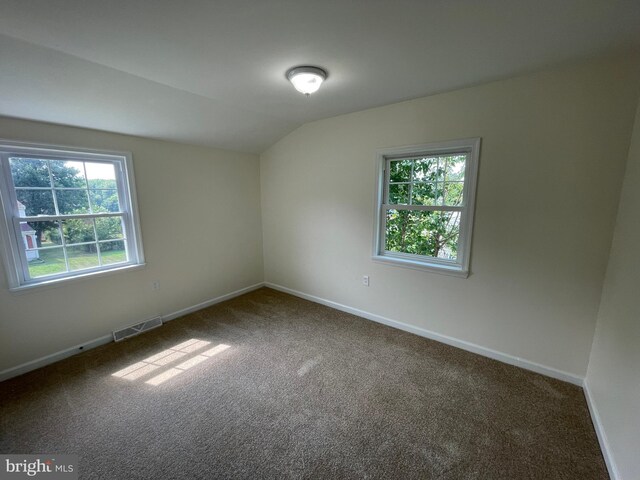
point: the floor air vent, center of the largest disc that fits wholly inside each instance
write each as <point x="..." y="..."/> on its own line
<point x="137" y="329"/>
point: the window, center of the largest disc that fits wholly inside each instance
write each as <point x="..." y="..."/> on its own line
<point x="68" y="213"/>
<point x="425" y="204"/>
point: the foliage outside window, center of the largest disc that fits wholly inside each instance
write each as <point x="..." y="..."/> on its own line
<point x="68" y="213"/>
<point x="425" y="203"/>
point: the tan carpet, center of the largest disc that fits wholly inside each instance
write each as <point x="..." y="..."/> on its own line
<point x="286" y="388"/>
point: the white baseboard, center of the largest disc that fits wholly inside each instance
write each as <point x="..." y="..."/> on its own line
<point x="213" y="301"/>
<point x="471" y="347"/>
<point x="602" y="436"/>
<point x="57" y="356"/>
<point x="54" y="357"/>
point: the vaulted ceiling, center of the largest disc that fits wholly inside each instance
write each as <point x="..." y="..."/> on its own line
<point x="212" y="72"/>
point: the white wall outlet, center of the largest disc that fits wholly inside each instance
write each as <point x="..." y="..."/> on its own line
<point x="155" y="285"/>
<point x="365" y="280"/>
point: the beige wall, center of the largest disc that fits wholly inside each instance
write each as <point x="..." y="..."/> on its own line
<point x="201" y="229"/>
<point x="554" y="146"/>
<point x="613" y="377"/>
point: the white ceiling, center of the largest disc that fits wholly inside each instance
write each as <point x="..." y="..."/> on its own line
<point x="212" y="72"/>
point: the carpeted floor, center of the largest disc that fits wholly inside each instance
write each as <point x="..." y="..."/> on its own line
<point x="286" y="388"/>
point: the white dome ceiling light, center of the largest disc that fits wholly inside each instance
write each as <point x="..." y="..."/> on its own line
<point x="306" y="79"/>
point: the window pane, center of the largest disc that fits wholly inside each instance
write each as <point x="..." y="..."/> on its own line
<point x="82" y="256"/>
<point x="40" y="234"/>
<point x="27" y="172"/>
<point x="399" y="194"/>
<point x="72" y="201"/>
<point x="68" y="213"/>
<point x="104" y="200"/>
<point x="67" y="174"/>
<point x="78" y="231"/>
<point x="455" y="167"/>
<point x="426" y="170"/>
<point x="101" y="175"/>
<point x="49" y="261"/>
<point x="35" y="202"/>
<point x="109" y="228"/>
<point x="453" y="193"/>
<point x="113" y="252"/>
<point x="434" y="234"/>
<point x="400" y="170"/>
<point x="51" y="235"/>
<point x="426" y="194"/>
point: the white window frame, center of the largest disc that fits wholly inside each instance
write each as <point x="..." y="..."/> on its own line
<point x="459" y="267"/>
<point x="13" y="251"/>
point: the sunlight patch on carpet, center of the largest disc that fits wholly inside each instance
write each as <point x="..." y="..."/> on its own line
<point x="169" y="356"/>
<point x="178" y="369"/>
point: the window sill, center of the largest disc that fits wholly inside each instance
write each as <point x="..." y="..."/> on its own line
<point x="59" y="282"/>
<point x="451" y="270"/>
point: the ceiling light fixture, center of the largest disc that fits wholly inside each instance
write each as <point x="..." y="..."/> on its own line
<point x="306" y="79"/>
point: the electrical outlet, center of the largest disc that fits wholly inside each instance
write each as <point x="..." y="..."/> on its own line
<point x="365" y="280"/>
<point x="155" y="285"/>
